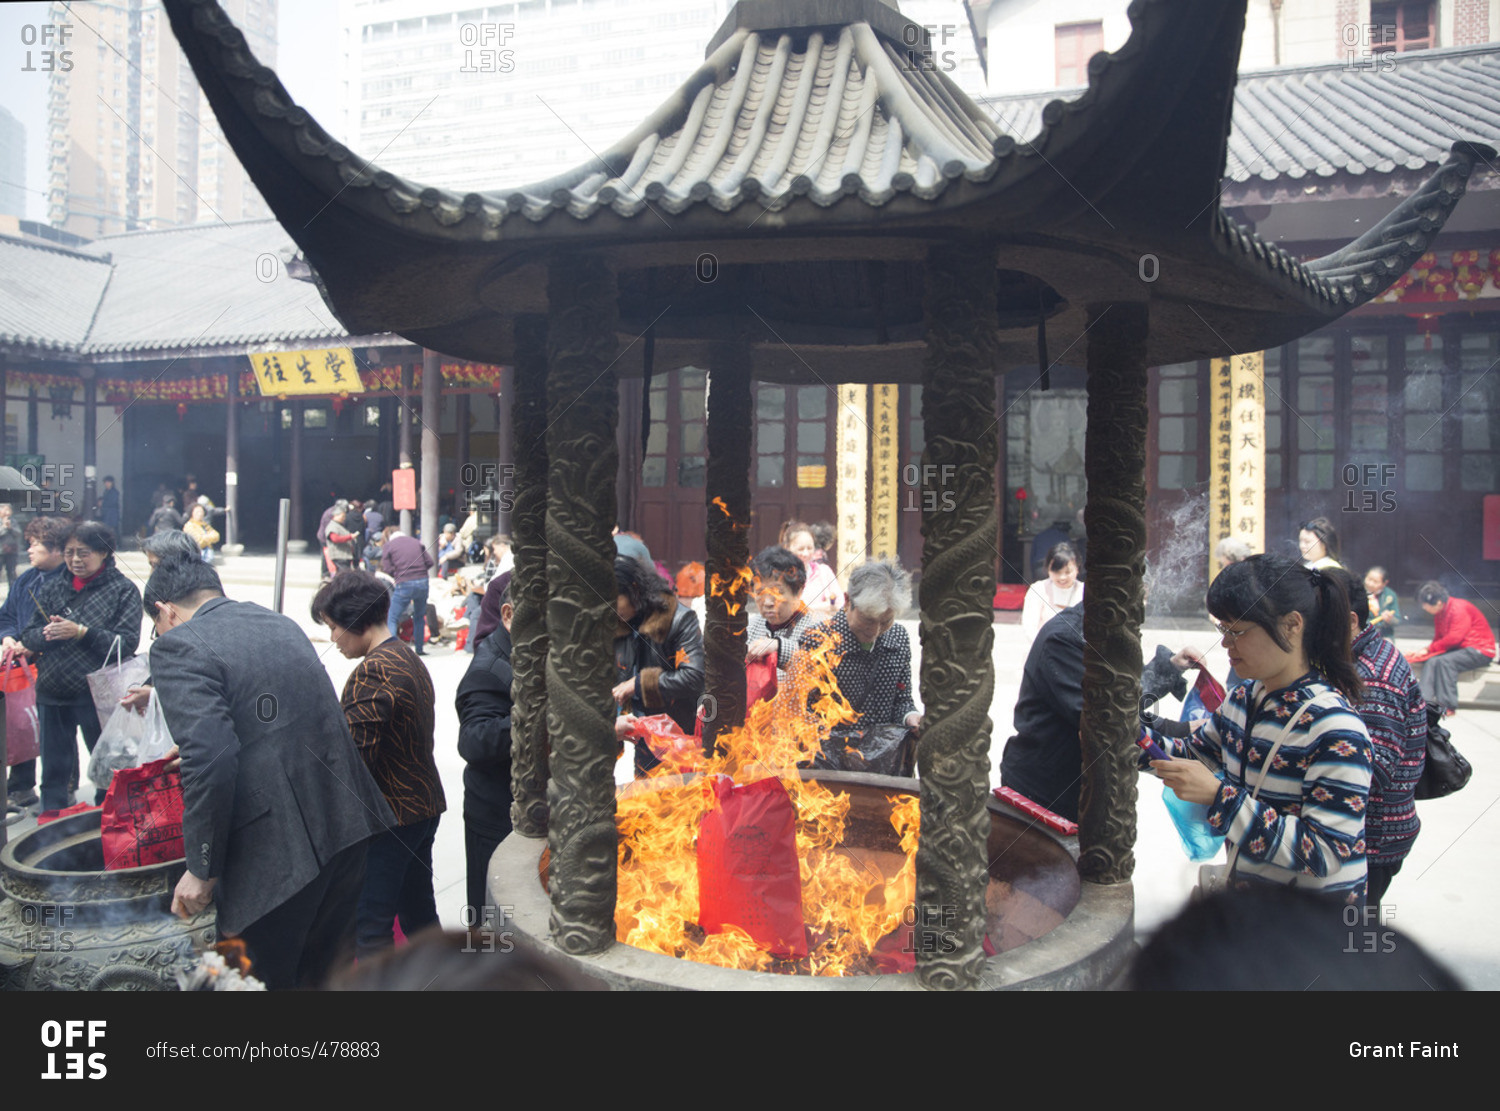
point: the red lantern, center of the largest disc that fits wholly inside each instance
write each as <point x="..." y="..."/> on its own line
<point x="338" y="404"/>
<point x="181" y="409"/>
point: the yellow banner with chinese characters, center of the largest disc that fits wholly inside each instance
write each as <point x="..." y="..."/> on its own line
<point x="330" y="370"/>
<point x="885" y="472"/>
<point x="852" y="453"/>
<point x="1237" y="481"/>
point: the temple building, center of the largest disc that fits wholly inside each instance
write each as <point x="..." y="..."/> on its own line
<point x="1390" y="411"/>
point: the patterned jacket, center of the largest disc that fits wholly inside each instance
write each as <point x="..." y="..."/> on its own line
<point x="876" y="682"/>
<point x="109" y="605"/>
<point x="389" y="703"/>
<point x="1396" y="716"/>
<point x="1307" y="826"/>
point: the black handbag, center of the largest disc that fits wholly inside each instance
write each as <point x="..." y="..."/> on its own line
<point x="1447" y="770"/>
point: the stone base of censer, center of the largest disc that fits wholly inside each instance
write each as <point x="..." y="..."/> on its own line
<point x="67" y="924"/>
<point x="1053" y="932"/>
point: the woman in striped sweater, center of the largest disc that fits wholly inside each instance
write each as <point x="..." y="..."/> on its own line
<point x="1286" y="629"/>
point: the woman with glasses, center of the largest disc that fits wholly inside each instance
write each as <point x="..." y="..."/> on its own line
<point x="1295" y="757"/>
<point x="79" y="615"/>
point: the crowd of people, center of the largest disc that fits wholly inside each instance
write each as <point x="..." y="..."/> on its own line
<point x="1307" y="769"/>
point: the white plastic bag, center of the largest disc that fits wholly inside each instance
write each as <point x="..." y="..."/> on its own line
<point x="119" y="746"/>
<point x="129" y="740"/>
<point x="157" y="740"/>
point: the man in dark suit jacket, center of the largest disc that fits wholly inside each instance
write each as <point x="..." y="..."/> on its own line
<point x="277" y="804"/>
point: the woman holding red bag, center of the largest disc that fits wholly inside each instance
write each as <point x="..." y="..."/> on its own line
<point x="44" y="548"/>
<point x="79" y="616"/>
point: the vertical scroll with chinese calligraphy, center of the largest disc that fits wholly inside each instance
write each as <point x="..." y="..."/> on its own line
<point x="850" y="482"/>
<point x="885" y="472"/>
<point x="1237" y="482"/>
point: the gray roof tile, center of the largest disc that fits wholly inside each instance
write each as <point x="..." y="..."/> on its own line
<point x="48" y="294"/>
<point x="1317" y="122"/>
<point x="201" y="286"/>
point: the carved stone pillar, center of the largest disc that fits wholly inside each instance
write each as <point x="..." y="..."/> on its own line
<point x="528" y="582"/>
<point x="1115" y="519"/>
<point x="727" y="594"/>
<point x="959" y="532"/>
<point x="582" y="408"/>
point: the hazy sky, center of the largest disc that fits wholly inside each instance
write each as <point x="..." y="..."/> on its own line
<point x="306" y="61"/>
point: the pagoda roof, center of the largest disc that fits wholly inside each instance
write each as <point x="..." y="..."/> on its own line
<point x="816" y="154"/>
<point x="1329" y="125"/>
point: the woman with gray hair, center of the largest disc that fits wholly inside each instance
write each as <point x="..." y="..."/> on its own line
<point x="1231" y="550"/>
<point x="167" y="543"/>
<point x="874" y="668"/>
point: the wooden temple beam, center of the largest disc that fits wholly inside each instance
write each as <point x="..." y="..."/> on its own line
<point x="1114" y="607"/>
<point x="959" y="530"/>
<point x="582" y="459"/>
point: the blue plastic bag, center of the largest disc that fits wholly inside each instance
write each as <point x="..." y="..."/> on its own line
<point x="1199" y="839"/>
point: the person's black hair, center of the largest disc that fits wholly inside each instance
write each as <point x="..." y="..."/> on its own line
<point x="1323" y="529"/>
<point x="96" y="535"/>
<point x="1283" y="939"/>
<point x="352" y="600"/>
<point x="777" y="562"/>
<point x="1432" y="593"/>
<point x="1060" y="555"/>
<point x="640" y="584"/>
<point x="1359" y="601"/>
<point x="1263" y="589"/>
<point x="109" y="478"/>
<point x="176" y="580"/>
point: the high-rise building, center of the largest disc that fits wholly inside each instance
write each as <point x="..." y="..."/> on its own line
<point x="12" y="165"/>
<point x="132" y="142"/>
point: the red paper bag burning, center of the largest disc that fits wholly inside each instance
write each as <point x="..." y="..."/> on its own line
<point x="748" y="874"/>
<point x="669" y="744"/>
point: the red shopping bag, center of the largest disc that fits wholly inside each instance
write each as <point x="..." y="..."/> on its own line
<point x="142" y="820"/>
<point x="17" y="675"/>
<point x="747" y="866"/>
<point x="18" y="681"/>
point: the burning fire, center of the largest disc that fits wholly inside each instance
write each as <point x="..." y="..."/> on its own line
<point x="225" y="967"/>
<point x="848" y="902"/>
<point x="734" y="589"/>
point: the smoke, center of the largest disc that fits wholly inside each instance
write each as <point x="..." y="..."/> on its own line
<point x="1177" y="575"/>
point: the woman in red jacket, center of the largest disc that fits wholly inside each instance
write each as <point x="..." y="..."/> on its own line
<point x="1461" y="640"/>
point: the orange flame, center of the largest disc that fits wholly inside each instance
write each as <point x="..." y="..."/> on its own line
<point x="235" y="954"/>
<point x="720" y="503"/>
<point x="849" y="901"/>
<point x="732" y="589"/>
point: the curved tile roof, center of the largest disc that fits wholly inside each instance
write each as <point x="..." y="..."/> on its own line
<point x="1319" y="121"/>
<point x="839" y="129"/>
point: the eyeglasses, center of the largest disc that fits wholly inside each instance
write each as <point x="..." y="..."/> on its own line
<point x="1228" y="635"/>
